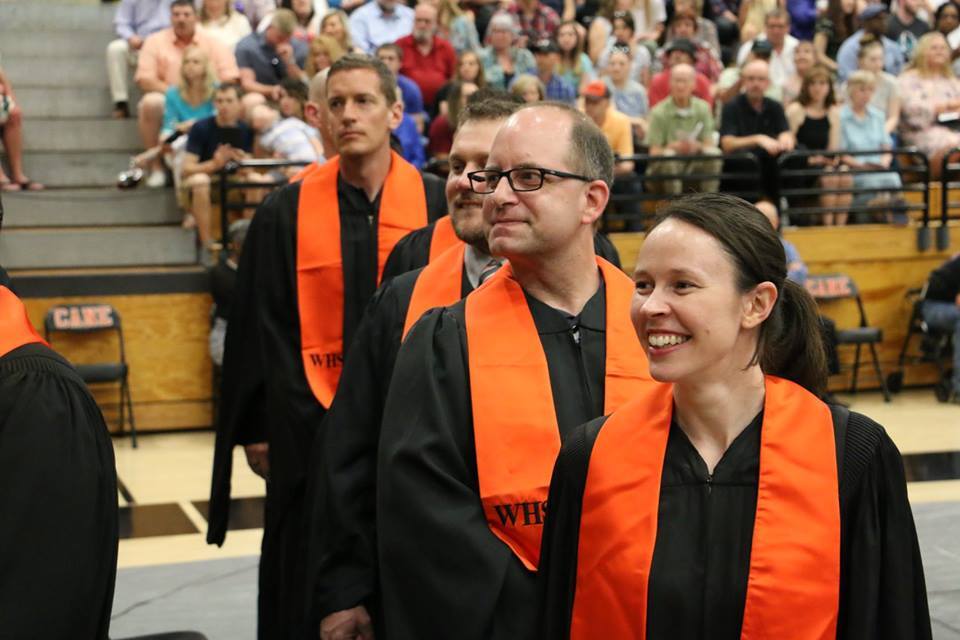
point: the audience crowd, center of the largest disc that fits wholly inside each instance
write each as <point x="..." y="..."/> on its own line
<point x="692" y="79"/>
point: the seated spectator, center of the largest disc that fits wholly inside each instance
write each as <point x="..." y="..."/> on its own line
<point x="804" y="58"/>
<point x="307" y="18"/>
<point x="223" y="281"/>
<point x="444" y="125"/>
<point x="219" y="18"/>
<point x="410" y="142"/>
<point x="815" y="124"/>
<point x="862" y="128"/>
<point x="797" y="269"/>
<point x="754" y="122"/>
<point x="503" y="60"/>
<point x="158" y="68"/>
<point x="336" y="24"/>
<point x="623" y="36"/>
<point x="211" y="144"/>
<point x="752" y="16"/>
<point x="927" y="90"/>
<point x="575" y="65"/>
<point x="323" y="51"/>
<point x="601" y="27"/>
<point x="293" y="98"/>
<point x="456" y="26"/>
<point x="682" y="125"/>
<point x="646" y="17"/>
<point x="776" y="32"/>
<point x="679" y="52"/>
<point x="726" y="15"/>
<point x="834" y="27"/>
<point x="874" y="21"/>
<point x="886" y="94"/>
<point x="265" y="58"/>
<point x="392" y="56"/>
<point x="469" y="70"/>
<point x="706" y="60"/>
<point x="629" y="96"/>
<point x="946" y="21"/>
<point x="730" y="84"/>
<point x="255" y="10"/>
<point x="528" y="88"/>
<point x="905" y="27"/>
<point x="378" y="22"/>
<point x="941" y="312"/>
<point x="289" y="139"/>
<point x="536" y="20"/>
<point x="426" y="58"/>
<point x="547" y="56"/>
<point x="11" y="132"/>
<point x="706" y="30"/>
<point x="133" y="22"/>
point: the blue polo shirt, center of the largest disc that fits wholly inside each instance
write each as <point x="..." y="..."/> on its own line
<point x="253" y="52"/>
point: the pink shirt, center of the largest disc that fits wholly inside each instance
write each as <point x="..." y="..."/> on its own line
<point x="431" y="71"/>
<point x="162" y="54"/>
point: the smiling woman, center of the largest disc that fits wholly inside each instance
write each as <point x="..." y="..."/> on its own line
<point x="722" y="495"/>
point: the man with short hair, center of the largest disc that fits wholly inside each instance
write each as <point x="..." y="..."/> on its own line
<point x="133" y="22"/>
<point x="266" y="58"/>
<point x="547" y="55"/>
<point x="427" y="59"/>
<point x="682" y="125"/>
<point x="391" y="55"/>
<point x="484" y="391"/>
<point x="537" y="21"/>
<point x="873" y="20"/>
<point x="379" y="22"/>
<point x="158" y="67"/>
<point x="905" y="27"/>
<point x="312" y="260"/>
<point x="776" y="31"/>
<point x="211" y="144"/>
<point x="753" y="122"/>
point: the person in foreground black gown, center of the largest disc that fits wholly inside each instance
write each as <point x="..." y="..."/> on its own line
<point x="58" y="492"/>
<point x="343" y="536"/>
<point x="266" y="397"/>
<point x="712" y="271"/>
<point x="443" y="571"/>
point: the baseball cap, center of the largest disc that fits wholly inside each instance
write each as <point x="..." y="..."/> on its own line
<point x="762" y="48"/>
<point x="545" y="46"/>
<point x="872" y="11"/>
<point x="682" y="44"/>
<point x="596" y="89"/>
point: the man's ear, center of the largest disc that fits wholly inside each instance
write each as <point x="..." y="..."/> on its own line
<point x="597" y="196"/>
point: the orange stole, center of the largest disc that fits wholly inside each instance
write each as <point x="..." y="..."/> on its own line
<point x="794" y="580"/>
<point x="443" y="238"/>
<point x="15" y="327"/>
<point x="514" y="420"/>
<point x="403" y="208"/>
<point x="438" y="285"/>
<point x="304" y="172"/>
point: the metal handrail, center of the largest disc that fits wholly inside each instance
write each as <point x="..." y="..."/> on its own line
<point x="946" y="167"/>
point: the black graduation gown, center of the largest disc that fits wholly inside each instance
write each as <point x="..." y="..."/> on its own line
<point x="58" y="498"/>
<point x="443" y="572"/>
<point x="413" y="252"/>
<point x="342" y="543"/>
<point x="265" y="395"/>
<point x="698" y="576"/>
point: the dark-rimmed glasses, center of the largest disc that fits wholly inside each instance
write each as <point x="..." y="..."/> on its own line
<point x="485" y="181"/>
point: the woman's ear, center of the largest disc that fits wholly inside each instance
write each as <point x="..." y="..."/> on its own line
<point x="758" y="304"/>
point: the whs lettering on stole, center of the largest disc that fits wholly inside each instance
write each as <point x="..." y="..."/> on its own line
<point x="332" y="360"/>
<point x="521" y="514"/>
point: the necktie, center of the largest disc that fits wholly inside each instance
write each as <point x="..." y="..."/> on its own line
<point x="488" y="270"/>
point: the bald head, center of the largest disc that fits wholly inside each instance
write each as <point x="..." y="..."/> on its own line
<point x="682" y="81"/>
<point x="756" y="79"/>
<point x="424" y="22"/>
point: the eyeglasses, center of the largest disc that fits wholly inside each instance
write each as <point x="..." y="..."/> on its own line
<point x="485" y="181"/>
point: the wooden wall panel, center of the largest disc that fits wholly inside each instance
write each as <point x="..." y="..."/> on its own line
<point x="166" y="344"/>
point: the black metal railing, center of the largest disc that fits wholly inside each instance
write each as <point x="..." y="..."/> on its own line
<point x="794" y="168"/>
<point x="947" y="169"/>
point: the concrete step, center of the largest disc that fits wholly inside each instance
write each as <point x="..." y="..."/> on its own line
<point x="38" y="16"/>
<point x="67" y="102"/>
<point x="73" y="71"/>
<point x="89" y="208"/>
<point x="59" y="248"/>
<point x="57" y="42"/>
<point x="76" y="168"/>
<point x="80" y="134"/>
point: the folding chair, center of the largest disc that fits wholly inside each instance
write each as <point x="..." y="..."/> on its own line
<point x="935" y="346"/>
<point x="838" y="287"/>
<point x="96" y="318"/>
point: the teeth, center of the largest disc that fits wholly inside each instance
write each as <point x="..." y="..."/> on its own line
<point x="665" y="340"/>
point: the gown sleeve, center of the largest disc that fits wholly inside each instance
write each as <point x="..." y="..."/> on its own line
<point x="411" y="252"/>
<point x="557" y="575"/>
<point x="58" y="542"/>
<point x="442" y="570"/>
<point x="882" y="591"/>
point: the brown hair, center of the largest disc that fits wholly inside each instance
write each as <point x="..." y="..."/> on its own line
<point x="790" y="342"/>
<point x="486" y="104"/>
<point x="481" y="79"/>
<point x="817" y="72"/>
<point x="353" y="61"/>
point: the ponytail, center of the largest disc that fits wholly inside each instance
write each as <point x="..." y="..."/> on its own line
<point x="791" y="340"/>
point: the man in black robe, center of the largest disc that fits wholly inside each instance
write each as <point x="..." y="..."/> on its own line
<point x="58" y="491"/>
<point x="443" y="572"/>
<point x="344" y="537"/>
<point x="267" y="404"/>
